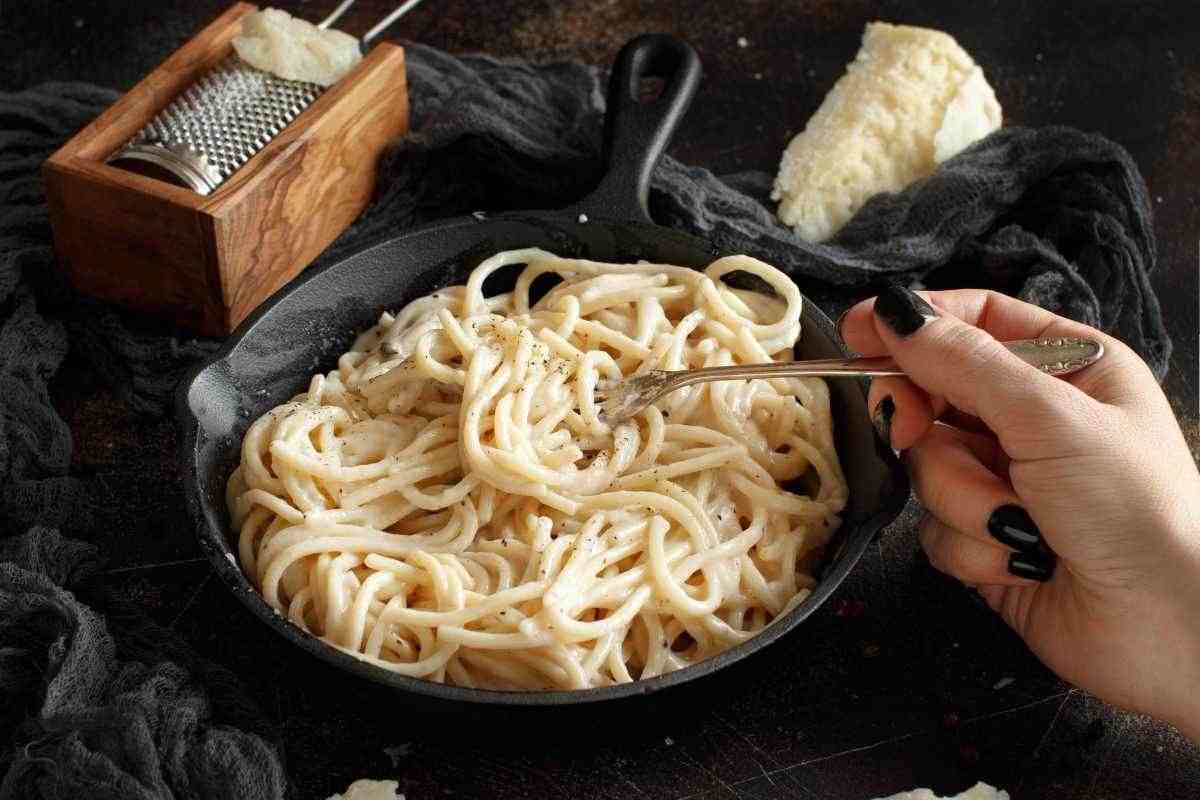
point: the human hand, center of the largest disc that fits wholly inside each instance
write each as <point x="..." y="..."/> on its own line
<point x="1014" y="466"/>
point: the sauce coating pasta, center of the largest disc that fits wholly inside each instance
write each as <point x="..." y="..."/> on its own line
<point x="450" y="504"/>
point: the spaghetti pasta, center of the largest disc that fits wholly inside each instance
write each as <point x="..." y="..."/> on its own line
<point x="449" y="503"/>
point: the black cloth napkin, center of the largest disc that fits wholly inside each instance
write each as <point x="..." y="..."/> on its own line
<point x="96" y="701"/>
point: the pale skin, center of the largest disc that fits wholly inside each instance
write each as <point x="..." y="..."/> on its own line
<point x="1098" y="462"/>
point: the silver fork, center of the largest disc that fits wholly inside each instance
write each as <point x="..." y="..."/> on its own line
<point x="621" y="399"/>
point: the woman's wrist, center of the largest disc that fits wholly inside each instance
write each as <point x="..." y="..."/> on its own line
<point x="1185" y="710"/>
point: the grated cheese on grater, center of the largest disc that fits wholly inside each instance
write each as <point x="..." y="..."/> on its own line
<point x="295" y="49"/>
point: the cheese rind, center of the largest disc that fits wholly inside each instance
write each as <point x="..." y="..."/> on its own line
<point x="911" y="98"/>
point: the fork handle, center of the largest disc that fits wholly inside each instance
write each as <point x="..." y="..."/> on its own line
<point x="1055" y="356"/>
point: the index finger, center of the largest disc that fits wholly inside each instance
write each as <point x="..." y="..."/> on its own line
<point x="1007" y="319"/>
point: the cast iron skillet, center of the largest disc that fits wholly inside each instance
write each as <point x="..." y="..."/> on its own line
<point x="307" y="324"/>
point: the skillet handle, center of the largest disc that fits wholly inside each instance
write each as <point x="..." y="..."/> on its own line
<point x="636" y="133"/>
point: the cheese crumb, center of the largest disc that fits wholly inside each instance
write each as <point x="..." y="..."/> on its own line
<point x="980" y="791"/>
<point x="366" y="789"/>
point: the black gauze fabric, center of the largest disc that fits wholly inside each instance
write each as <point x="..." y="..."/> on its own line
<point x="1055" y="216"/>
<point x="96" y="701"/>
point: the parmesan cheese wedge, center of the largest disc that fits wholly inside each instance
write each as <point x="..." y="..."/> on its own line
<point x="911" y="99"/>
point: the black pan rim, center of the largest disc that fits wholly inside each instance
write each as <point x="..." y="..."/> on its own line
<point x="214" y="541"/>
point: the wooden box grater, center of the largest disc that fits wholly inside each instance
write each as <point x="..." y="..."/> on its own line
<point x="207" y="262"/>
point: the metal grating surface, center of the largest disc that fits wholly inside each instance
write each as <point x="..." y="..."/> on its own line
<point x="228" y="115"/>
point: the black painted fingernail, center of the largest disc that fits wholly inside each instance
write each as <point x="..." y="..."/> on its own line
<point x="1035" y="566"/>
<point x="902" y="309"/>
<point x="881" y="418"/>
<point x="1011" y="526"/>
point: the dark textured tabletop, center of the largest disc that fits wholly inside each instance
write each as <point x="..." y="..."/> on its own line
<point x="903" y="679"/>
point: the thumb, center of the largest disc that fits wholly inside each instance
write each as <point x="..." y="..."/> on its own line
<point x="1034" y="415"/>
